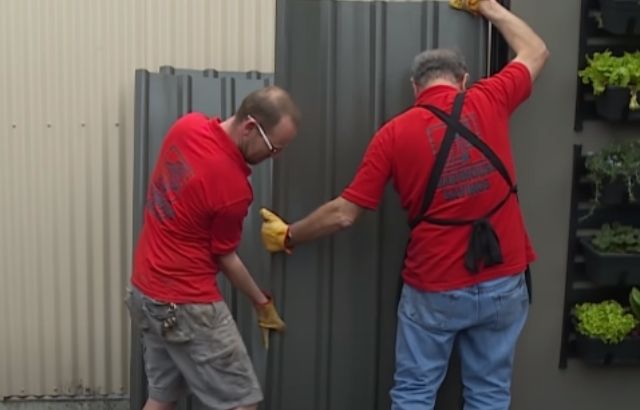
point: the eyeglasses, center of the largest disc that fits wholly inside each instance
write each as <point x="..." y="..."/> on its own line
<point x="272" y="148"/>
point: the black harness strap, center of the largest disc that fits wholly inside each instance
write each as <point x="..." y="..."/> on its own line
<point x="441" y="160"/>
<point x="474" y="140"/>
<point x="484" y="244"/>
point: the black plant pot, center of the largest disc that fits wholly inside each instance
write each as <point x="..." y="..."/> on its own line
<point x="610" y="269"/>
<point x="595" y="351"/>
<point x="613" y="105"/>
<point x="636" y="192"/>
<point x="613" y="192"/>
<point x="620" y="16"/>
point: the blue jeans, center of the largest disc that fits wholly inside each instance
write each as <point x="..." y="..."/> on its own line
<point x="486" y="319"/>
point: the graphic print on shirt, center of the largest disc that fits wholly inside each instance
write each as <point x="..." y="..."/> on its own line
<point x="463" y="176"/>
<point x="170" y="178"/>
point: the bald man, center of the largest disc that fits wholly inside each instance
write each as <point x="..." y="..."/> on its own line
<point x="197" y="199"/>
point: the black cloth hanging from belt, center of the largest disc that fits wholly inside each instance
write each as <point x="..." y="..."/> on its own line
<point x="484" y="245"/>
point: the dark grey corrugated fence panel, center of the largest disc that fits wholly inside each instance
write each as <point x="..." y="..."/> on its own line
<point x="160" y="99"/>
<point x="219" y="93"/>
<point x="251" y="249"/>
<point x="158" y="102"/>
<point x="348" y="66"/>
<point x="208" y="95"/>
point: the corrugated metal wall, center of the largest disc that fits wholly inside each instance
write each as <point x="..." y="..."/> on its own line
<point x="66" y="148"/>
<point x="347" y="64"/>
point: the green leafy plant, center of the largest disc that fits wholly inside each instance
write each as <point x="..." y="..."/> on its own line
<point x="606" y="70"/>
<point x="630" y="172"/>
<point x="617" y="238"/>
<point x="604" y="167"/>
<point x="616" y="162"/>
<point x="607" y="321"/>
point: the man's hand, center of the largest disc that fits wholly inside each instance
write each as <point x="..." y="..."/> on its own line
<point x="467" y="5"/>
<point x="274" y="232"/>
<point x="268" y="320"/>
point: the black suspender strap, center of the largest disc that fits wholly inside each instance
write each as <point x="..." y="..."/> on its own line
<point x="484" y="245"/>
<point x="461" y="222"/>
<point x="473" y="139"/>
<point x="441" y="160"/>
<point x="527" y="280"/>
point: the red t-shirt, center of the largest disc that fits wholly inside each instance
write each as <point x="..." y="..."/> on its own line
<point x="198" y="196"/>
<point x="405" y="148"/>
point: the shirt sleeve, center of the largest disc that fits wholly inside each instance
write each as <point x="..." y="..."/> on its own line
<point x="367" y="187"/>
<point x="509" y="88"/>
<point x="227" y="228"/>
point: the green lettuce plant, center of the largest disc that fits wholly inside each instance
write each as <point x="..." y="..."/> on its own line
<point x="607" y="321"/>
<point x="617" y="238"/>
<point x="606" y="70"/>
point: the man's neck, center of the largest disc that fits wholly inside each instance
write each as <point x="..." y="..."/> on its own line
<point x="436" y="83"/>
<point x="228" y="126"/>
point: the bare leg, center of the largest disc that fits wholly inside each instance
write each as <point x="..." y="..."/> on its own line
<point x="159" y="405"/>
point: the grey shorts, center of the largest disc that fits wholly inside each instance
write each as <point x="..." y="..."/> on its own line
<point x="196" y="348"/>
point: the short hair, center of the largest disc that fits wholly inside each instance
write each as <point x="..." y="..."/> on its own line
<point x="268" y="105"/>
<point x="438" y="63"/>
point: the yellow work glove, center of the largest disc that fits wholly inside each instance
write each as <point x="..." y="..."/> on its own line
<point x="467" y="5"/>
<point x="269" y="320"/>
<point x="275" y="232"/>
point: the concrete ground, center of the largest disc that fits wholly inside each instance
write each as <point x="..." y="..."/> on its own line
<point x="106" y="404"/>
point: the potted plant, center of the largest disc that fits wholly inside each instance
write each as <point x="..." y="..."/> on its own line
<point x="604" y="170"/>
<point x="612" y="256"/>
<point x="614" y="172"/>
<point x="615" y="81"/>
<point x="604" y="332"/>
<point x="620" y="16"/>
<point x="630" y="156"/>
<point x="606" y="321"/>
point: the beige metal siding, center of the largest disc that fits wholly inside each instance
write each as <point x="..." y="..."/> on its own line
<point x="66" y="121"/>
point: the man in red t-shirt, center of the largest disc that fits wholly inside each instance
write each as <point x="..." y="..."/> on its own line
<point x="198" y="196"/>
<point x="450" y="160"/>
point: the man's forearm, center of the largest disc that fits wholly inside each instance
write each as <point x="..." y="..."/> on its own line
<point x="237" y="273"/>
<point x="527" y="45"/>
<point x="517" y="33"/>
<point x="330" y="218"/>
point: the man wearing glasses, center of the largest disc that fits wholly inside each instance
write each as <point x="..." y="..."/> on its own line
<point x="198" y="196"/>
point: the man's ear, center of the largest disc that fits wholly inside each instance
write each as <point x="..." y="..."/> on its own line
<point x="465" y="82"/>
<point x="415" y="87"/>
<point x="246" y="126"/>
